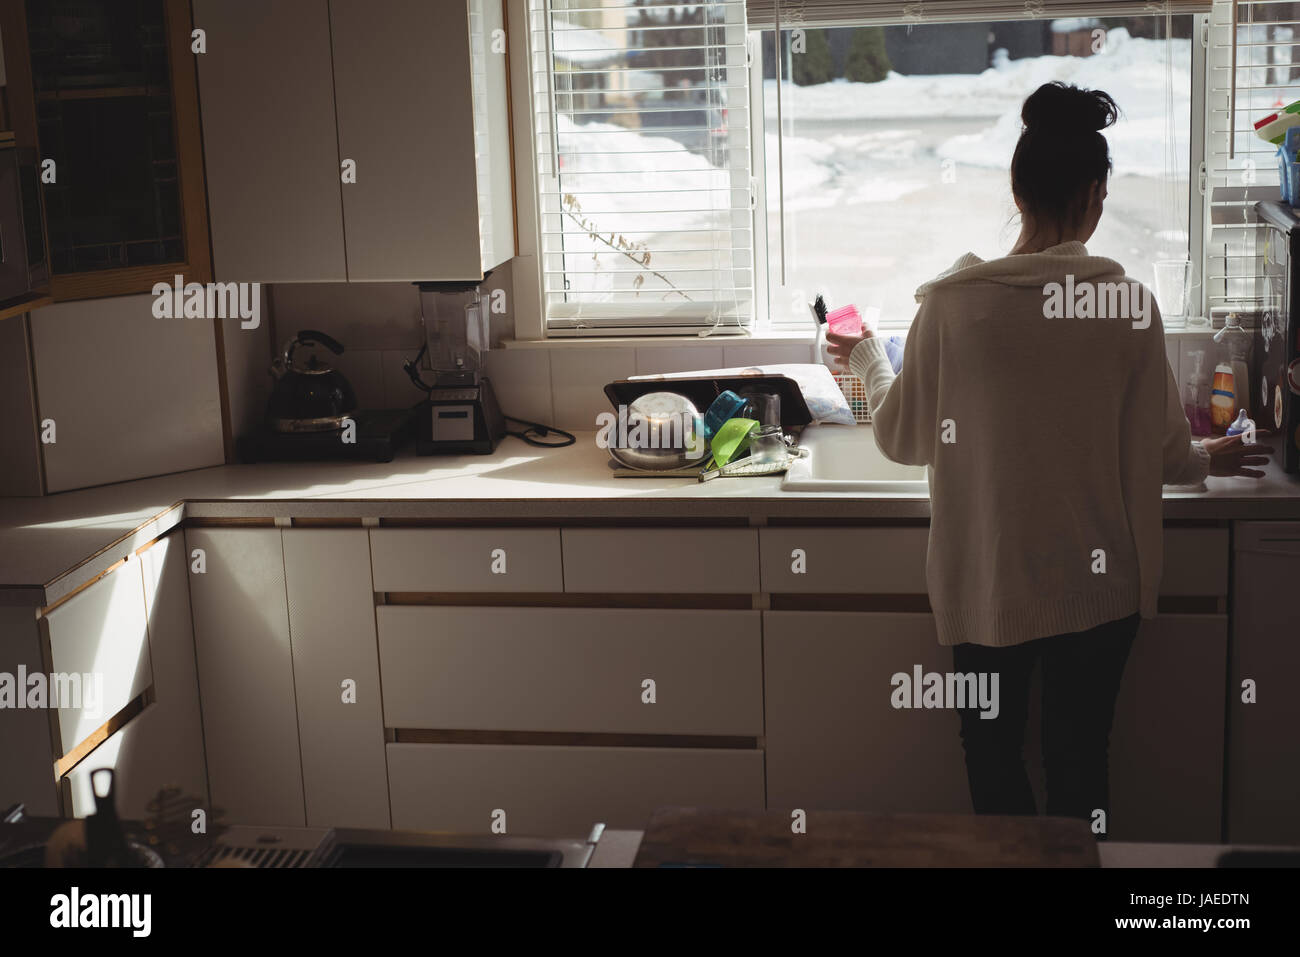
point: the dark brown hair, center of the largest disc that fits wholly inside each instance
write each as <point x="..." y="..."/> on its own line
<point x="1061" y="151"/>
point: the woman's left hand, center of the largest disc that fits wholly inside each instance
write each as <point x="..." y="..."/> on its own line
<point x="841" y="346"/>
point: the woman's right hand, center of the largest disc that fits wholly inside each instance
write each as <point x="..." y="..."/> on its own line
<point x="841" y="346"/>
<point x="1229" y="456"/>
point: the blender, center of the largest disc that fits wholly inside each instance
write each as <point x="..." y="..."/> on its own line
<point x="461" y="415"/>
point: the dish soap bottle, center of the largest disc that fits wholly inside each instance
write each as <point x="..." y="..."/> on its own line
<point x="1223" y="399"/>
<point x="1196" y="396"/>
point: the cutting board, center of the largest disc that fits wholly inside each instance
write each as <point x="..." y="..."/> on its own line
<point x="691" y="837"/>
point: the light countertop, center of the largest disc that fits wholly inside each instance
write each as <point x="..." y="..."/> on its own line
<point x="618" y="849"/>
<point x="50" y="545"/>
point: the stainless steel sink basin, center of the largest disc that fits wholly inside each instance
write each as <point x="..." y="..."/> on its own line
<point x="844" y="458"/>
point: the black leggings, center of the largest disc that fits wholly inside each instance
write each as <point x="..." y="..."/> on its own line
<point x="1081" y="675"/>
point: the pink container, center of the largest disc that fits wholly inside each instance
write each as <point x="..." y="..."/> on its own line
<point x="845" y="321"/>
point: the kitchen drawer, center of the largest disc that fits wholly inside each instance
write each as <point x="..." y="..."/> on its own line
<point x="101" y="632"/>
<point x="1196" y="562"/>
<point x="466" y="560"/>
<point x="571" y="669"/>
<point x="827" y="561"/>
<point x="678" y="560"/>
<point x="561" y="791"/>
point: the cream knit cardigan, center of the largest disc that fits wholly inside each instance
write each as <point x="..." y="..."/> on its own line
<point x="1046" y="441"/>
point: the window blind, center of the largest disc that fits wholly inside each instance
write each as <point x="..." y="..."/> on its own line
<point x="643" y="161"/>
<point x="762" y="13"/>
<point x="1253" y="69"/>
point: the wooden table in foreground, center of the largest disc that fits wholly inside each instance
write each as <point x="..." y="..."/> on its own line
<point x="677" y="837"/>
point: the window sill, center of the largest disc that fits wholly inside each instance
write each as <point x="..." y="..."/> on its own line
<point x="790" y="338"/>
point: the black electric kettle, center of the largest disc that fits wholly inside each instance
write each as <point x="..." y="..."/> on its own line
<point x="311" y="396"/>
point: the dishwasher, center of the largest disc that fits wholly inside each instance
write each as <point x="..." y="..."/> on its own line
<point x="1263" y="768"/>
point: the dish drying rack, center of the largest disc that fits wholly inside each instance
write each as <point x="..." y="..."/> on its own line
<point x="855" y="394"/>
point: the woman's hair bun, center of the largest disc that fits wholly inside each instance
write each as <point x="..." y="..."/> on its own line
<point x="1064" y="109"/>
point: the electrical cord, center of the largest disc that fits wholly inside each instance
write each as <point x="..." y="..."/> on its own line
<point x="531" y="435"/>
<point x="539" y="430"/>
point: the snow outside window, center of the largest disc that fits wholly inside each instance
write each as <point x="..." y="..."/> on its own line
<point x="897" y="144"/>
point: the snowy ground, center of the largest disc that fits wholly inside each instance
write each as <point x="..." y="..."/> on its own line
<point x="887" y="183"/>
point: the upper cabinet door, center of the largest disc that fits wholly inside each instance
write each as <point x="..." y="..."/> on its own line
<point x="105" y="92"/>
<point x="406" y="117"/>
<point x="267" y="96"/>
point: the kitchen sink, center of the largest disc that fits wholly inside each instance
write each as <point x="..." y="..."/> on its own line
<point x="844" y="458"/>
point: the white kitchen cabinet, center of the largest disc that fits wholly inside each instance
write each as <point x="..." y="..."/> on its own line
<point x="886" y="560"/>
<point x="246" y="682"/>
<point x="1263" y="792"/>
<point x="466" y="560"/>
<point x="834" y="739"/>
<point x="844" y="560"/>
<point x="572" y="670"/>
<point x="562" y="791"/>
<point x="168" y="745"/>
<point x="138" y="770"/>
<point x="25" y="758"/>
<point x="131" y="632"/>
<point x="99" y="642"/>
<point x="672" y="560"/>
<point x="336" y="677"/>
<point x="270" y="147"/>
<point x="1166" y="743"/>
<point x="345" y="139"/>
<point x="112" y="419"/>
<point x="422" y="111"/>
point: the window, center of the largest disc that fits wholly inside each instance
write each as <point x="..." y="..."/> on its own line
<point x="641" y="121"/>
<point x="677" y="192"/>
<point x="1242" y="169"/>
<point x="896" y="141"/>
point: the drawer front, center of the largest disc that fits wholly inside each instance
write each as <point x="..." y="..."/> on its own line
<point x="561" y="791"/>
<point x="101" y="633"/>
<point x="572" y="669"/>
<point x="1196" y="562"/>
<point x="889" y="561"/>
<point x="468" y="560"/>
<point x="677" y="560"/>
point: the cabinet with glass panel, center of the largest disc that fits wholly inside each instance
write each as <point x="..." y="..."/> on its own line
<point x="105" y="92"/>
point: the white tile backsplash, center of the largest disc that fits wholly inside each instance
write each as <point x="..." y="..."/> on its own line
<point x="754" y="354"/>
<point x="578" y="378"/>
<point x="399" y="391"/>
<point x="659" y="360"/>
<point x="521" y="379"/>
<point x="363" y="368"/>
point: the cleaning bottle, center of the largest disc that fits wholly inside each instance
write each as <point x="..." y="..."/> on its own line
<point x="1223" y="399"/>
